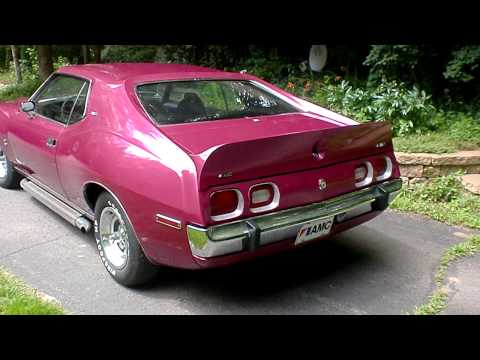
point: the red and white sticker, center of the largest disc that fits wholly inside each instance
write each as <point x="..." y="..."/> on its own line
<point x="314" y="230"/>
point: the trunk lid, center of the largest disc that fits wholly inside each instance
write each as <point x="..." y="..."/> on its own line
<point x="228" y="151"/>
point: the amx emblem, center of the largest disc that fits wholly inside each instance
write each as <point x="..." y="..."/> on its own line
<point x="322" y="184"/>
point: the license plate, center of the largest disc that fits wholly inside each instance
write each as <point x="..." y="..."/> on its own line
<point x="314" y="230"/>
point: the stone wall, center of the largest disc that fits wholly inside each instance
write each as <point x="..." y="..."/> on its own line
<point x="419" y="167"/>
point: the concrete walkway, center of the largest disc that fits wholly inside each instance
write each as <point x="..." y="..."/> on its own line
<point x="463" y="279"/>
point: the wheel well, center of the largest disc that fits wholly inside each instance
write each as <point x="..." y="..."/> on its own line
<point x="91" y="193"/>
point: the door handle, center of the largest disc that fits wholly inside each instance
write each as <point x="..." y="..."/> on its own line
<point x="51" y="142"/>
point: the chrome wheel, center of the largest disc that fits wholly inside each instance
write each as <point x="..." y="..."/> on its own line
<point x="113" y="237"/>
<point x="3" y="164"/>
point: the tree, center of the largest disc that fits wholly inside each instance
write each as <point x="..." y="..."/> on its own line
<point x="16" y="62"/>
<point x="85" y="54"/>
<point x="97" y="50"/>
<point x="45" y="64"/>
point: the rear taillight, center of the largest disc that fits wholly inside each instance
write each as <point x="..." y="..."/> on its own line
<point x="384" y="168"/>
<point x="226" y="204"/>
<point x="360" y="173"/>
<point x="363" y="174"/>
<point x="264" y="197"/>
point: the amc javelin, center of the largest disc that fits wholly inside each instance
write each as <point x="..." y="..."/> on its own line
<point x="191" y="167"/>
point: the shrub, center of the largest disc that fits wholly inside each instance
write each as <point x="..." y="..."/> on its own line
<point x="408" y="109"/>
<point x="25" y="89"/>
<point x="442" y="189"/>
<point x="391" y="61"/>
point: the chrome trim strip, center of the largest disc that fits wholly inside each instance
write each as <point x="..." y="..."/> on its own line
<point x="178" y="223"/>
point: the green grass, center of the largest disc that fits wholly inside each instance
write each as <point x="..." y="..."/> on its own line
<point x="434" y="143"/>
<point x="438" y="300"/>
<point x="16" y="298"/>
<point x="442" y="199"/>
<point x="6" y="77"/>
<point x="456" y="131"/>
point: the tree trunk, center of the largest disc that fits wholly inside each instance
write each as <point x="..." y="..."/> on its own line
<point x="85" y="53"/>
<point x="8" y="53"/>
<point x="97" y="52"/>
<point x="45" y="63"/>
<point x="15" y="56"/>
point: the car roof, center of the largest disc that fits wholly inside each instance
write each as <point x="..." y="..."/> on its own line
<point x="117" y="72"/>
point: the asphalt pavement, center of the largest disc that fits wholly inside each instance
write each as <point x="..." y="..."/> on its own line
<point x="385" y="266"/>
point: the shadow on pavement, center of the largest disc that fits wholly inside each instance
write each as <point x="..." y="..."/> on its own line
<point x="319" y="264"/>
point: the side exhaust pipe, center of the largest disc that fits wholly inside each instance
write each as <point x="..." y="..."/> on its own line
<point x="73" y="216"/>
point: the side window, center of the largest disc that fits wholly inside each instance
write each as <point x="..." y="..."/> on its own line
<point x="57" y="99"/>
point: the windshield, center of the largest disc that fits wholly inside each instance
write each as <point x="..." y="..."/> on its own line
<point x="200" y="100"/>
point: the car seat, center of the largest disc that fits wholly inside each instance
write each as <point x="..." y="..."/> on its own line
<point x="190" y="107"/>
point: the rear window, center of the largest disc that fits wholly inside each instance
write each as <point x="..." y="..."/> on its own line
<point x="202" y="100"/>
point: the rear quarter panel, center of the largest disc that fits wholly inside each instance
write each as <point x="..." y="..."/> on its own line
<point x="120" y="150"/>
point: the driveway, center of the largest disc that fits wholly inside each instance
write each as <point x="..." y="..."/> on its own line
<point x="385" y="266"/>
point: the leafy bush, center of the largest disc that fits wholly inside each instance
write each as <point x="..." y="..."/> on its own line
<point x="463" y="63"/>
<point x="29" y="66"/>
<point x="407" y="109"/>
<point x="442" y="189"/>
<point x="25" y="89"/>
<point x="390" y="61"/>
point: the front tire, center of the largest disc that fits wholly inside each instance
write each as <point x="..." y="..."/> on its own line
<point x="118" y="246"/>
<point x="9" y="177"/>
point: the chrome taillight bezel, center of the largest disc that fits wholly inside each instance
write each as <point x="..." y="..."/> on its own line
<point x="387" y="171"/>
<point x="233" y="214"/>
<point x="272" y="205"/>
<point x="369" y="177"/>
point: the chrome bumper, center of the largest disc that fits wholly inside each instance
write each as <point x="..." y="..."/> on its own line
<point x="249" y="234"/>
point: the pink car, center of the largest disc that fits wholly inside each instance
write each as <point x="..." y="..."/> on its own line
<point x="191" y="167"/>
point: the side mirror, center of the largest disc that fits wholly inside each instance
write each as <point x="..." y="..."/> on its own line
<point x="28" y="106"/>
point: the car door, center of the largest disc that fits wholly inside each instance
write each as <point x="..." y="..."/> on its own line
<point x="35" y="135"/>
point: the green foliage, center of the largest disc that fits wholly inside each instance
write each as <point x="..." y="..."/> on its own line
<point x="14" y="91"/>
<point x="442" y="189"/>
<point x="408" y="109"/>
<point x="441" y="199"/>
<point x="271" y="68"/>
<point x="454" y="131"/>
<point x="463" y="63"/>
<point x="129" y="53"/>
<point x="392" y="61"/>
<point x="18" y="299"/>
<point x="29" y="64"/>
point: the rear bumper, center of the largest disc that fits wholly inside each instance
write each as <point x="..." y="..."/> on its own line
<point x="253" y="233"/>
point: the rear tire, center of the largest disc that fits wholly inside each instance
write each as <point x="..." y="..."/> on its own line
<point x="9" y="177"/>
<point x="119" y="249"/>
